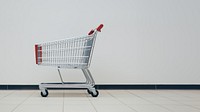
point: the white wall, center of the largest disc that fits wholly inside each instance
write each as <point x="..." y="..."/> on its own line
<point x="143" y="41"/>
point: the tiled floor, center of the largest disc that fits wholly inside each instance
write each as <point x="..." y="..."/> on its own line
<point x="107" y="101"/>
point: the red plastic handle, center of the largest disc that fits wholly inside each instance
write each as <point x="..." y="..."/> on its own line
<point x="99" y="27"/>
<point x="91" y="32"/>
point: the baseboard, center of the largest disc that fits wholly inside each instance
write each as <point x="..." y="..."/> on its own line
<point x="115" y="86"/>
<point x="151" y="86"/>
<point x="19" y="87"/>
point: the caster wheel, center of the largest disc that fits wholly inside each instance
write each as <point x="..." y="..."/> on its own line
<point x="95" y="95"/>
<point x="89" y="92"/>
<point x="45" y="94"/>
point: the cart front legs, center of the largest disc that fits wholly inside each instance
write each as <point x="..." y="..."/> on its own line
<point x="90" y="82"/>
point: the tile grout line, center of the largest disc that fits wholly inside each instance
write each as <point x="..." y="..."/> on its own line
<point x="121" y="101"/>
<point x="175" y="101"/>
<point x="91" y="103"/>
<point x="63" y="101"/>
<point x="22" y="102"/>
<point x="175" y="92"/>
<point x="149" y="101"/>
<point x="184" y="103"/>
<point x="193" y="107"/>
<point x="7" y="95"/>
<point x="167" y="98"/>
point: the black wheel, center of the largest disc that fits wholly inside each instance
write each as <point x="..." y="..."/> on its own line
<point x="95" y="95"/>
<point x="89" y="92"/>
<point x="45" y="94"/>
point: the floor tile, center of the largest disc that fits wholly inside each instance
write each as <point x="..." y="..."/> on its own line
<point x="78" y="102"/>
<point x="149" y="108"/>
<point x="158" y="101"/>
<point x="39" y="108"/>
<point x="191" y="102"/>
<point x="113" y="108"/>
<point x="79" y="108"/>
<point x="181" y="108"/>
<point x="107" y="101"/>
<point x="134" y="101"/>
<point x="7" y="107"/>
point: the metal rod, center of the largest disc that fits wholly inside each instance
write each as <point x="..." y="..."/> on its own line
<point x="88" y="81"/>
<point x="89" y="74"/>
<point x="60" y="75"/>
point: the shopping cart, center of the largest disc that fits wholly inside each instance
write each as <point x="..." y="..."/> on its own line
<point x="72" y="53"/>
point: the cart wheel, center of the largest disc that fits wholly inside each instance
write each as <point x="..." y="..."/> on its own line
<point x="89" y="92"/>
<point x="45" y="94"/>
<point x="95" y="95"/>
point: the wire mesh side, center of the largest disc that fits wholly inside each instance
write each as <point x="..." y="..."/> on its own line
<point x="68" y="53"/>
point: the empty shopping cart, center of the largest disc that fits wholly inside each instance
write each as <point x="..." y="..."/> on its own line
<point x="71" y="53"/>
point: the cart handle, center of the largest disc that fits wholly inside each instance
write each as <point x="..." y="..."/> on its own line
<point x="91" y="32"/>
<point x="97" y="29"/>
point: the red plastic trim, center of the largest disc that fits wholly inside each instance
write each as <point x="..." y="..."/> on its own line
<point x="91" y="32"/>
<point x="100" y="27"/>
<point x="36" y="53"/>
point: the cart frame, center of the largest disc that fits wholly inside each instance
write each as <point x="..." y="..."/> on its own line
<point x="75" y="62"/>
